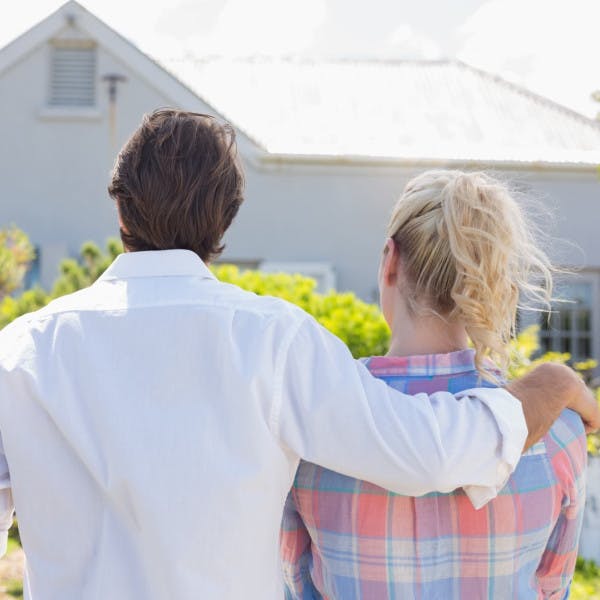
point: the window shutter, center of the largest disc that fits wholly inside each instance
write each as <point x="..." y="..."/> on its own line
<point x="73" y="76"/>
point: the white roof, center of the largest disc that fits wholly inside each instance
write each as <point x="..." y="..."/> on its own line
<point x="441" y="110"/>
<point x="409" y="111"/>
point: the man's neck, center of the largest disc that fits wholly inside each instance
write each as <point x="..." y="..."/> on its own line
<point x="426" y="335"/>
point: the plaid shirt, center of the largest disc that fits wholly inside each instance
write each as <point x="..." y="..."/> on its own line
<point x="348" y="539"/>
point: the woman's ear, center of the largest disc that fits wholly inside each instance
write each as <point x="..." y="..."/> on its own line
<point x="389" y="263"/>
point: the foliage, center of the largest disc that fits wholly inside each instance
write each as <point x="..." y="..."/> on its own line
<point x="360" y="325"/>
<point x="11" y="308"/>
<point x="74" y="275"/>
<point x="526" y="345"/>
<point x="586" y="583"/>
<point x="77" y="274"/>
<point x="16" y="254"/>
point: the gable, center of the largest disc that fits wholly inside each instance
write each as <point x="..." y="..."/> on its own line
<point x="73" y="22"/>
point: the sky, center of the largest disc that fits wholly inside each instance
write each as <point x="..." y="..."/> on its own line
<point x="550" y="46"/>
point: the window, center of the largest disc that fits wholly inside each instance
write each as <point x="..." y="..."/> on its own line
<point x="322" y="272"/>
<point x="73" y="75"/>
<point x="241" y="264"/>
<point x="570" y="327"/>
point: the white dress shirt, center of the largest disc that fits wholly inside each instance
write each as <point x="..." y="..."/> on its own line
<point x="152" y="425"/>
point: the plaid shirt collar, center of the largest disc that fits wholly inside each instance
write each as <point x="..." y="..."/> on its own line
<point x="419" y="365"/>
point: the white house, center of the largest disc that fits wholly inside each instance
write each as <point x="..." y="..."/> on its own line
<point x="327" y="148"/>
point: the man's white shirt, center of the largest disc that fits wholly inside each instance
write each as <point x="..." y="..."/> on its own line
<point x="151" y="426"/>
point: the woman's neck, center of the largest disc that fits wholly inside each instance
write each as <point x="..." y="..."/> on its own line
<point x="426" y="335"/>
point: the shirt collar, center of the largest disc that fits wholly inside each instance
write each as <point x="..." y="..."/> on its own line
<point x="157" y="263"/>
<point x="452" y="363"/>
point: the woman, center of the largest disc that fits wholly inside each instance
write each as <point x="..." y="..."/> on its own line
<point x="458" y="259"/>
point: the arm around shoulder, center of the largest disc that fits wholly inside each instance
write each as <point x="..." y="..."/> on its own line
<point x="331" y="411"/>
<point x="546" y="392"/>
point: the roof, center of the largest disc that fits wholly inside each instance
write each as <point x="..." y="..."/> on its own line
<point x="353" y="111"/>
<point x="427" y="110"/>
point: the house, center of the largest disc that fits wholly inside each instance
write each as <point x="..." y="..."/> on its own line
<point x="327" y="148"/>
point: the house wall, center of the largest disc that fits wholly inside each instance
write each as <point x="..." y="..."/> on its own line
<point x="338" y="214"/>
<point x="55" y="169"/>
<point x="54" y="173"/>
<point x="589" y="546"/>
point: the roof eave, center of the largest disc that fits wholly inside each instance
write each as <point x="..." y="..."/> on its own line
<point x="275" y="159"/>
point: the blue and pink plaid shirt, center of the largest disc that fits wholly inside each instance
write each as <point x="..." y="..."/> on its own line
<point x="347" y="539"/>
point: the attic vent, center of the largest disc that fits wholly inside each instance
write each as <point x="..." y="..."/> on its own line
<point x="73" y="75"/>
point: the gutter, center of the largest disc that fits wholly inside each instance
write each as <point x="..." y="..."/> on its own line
<point x="270" y="161"/>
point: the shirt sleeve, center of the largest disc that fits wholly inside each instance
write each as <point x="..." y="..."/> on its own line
<point x="296" y="558"/>
<point x="556" y="568"/>
<point x="329" y="410"/>
<point x="6" y="501"/>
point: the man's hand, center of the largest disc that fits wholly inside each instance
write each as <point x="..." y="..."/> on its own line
<point x="546" y="392"/>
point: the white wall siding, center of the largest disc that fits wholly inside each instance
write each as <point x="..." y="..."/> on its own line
<point x="338" y="214"/>
<point x="590" y="537"/>
<point x="55" y="164"/>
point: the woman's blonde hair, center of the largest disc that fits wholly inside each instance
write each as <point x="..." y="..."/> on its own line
<point x="468" y="254"/>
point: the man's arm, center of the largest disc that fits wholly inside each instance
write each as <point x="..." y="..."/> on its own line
<point x="546" y="392"/>
<point x="329" y="410"/>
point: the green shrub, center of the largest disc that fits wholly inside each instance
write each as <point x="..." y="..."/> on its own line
<point x="92" y="262"/>
<point x="586" y="583"/>
<point x="360" y="325"/>
<point x="12" y="308"/>
<point x="16" y="254"/>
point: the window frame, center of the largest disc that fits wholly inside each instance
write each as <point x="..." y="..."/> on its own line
<point x="322" y="272"/>
<point x="587" y="276"/>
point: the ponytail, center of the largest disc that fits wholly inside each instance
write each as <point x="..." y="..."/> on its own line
<point x="469" y="256"/>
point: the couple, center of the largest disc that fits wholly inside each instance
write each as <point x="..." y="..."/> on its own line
<point x="153" y="424"/>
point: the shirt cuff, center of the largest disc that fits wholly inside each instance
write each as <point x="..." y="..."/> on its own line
<point x="508" y="412"/>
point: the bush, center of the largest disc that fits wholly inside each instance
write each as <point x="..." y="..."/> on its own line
<point x="77" y="274"/>
<point x="16" y="254"/>
<point x="586" y="583"/>
<point x="360" y="325"/>
<point x="12" y="308"/>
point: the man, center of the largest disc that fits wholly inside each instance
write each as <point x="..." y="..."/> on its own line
<point x="152" y="423"/>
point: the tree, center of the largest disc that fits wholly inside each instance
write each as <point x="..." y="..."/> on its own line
<point x="16" y="254"/>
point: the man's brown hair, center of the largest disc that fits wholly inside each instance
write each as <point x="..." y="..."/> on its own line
<point x="177" y="183"/>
